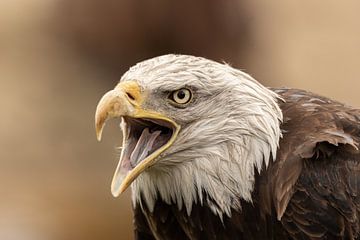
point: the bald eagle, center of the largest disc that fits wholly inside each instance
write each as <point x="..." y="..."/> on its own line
<point x="210" y="153"/>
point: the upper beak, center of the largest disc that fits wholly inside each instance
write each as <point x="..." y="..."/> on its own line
<point x="121" y="101"/>
<point x="126" y="101"/>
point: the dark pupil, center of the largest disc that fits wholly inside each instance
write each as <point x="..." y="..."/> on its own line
<point x="181" y="94"/>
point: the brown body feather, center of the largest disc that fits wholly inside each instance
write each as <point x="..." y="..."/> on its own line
<point x="311" y="191"/>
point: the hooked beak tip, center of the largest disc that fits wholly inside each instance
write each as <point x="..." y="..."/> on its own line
<point x="100" y="118"/>
<point x="108" y="106"/>
<point x="99" y="133"/>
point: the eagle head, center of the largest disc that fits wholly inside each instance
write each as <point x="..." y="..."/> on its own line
<point x="194" y="131"/>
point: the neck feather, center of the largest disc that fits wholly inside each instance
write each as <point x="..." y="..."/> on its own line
<point x="220" y="177"/>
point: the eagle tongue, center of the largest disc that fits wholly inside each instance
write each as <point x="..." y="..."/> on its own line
<point x="143" y="146"/>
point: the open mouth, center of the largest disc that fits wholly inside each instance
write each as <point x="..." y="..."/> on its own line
<point x="146" y="133"/>
<point x="142" y="138"/>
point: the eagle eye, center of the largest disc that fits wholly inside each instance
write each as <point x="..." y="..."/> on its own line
<point x="181" y="96"/>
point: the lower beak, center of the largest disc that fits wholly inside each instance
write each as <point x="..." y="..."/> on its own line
<point x="126" y="101"/>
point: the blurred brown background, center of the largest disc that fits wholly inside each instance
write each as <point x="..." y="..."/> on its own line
<point x="57" y="58"/>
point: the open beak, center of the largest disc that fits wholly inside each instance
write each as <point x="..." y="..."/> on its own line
<point x="146" y="133"/>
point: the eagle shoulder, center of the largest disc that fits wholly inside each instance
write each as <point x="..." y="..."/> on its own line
<point x="314" y="180"/>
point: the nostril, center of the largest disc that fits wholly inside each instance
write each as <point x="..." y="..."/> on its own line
<point x="130" y="96"/>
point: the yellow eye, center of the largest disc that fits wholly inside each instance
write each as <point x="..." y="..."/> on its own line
<point x="181" y="96"/>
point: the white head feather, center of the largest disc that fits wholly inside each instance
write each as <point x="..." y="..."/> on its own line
<point x="230" y="129"/>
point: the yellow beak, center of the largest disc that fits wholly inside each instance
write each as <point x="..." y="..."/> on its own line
<point x="126" y="101"/>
